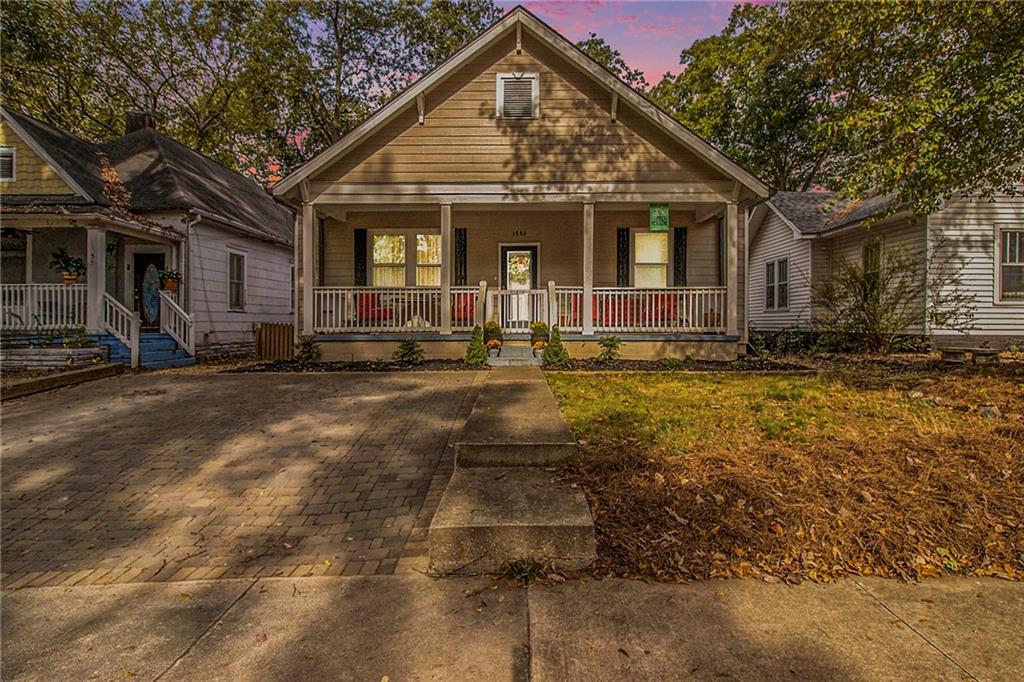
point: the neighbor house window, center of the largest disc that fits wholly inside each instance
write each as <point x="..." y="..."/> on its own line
<point x="871" y="258"/>
<point x="650" y="259"/>
<point x="1011" y="265"/>
<point x="236" y="281"/>
<point x="776" y="284"/>
<point x="406" y="259"/>
<point x="6" y="163"/>
<point x="518" y="95"/>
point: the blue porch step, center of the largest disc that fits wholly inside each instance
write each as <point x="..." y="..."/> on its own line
<point x="156" y="351"/>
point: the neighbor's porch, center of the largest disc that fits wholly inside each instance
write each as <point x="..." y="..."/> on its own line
<point x="589" y="268"/>
<point x="119" y="292"/>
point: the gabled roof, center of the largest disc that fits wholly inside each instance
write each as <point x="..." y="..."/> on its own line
<point x="519" y="15"/>
<point x="159" y="172"/>
<point x="814" y="213"/>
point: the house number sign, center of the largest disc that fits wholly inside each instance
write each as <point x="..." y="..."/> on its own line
<point x="518" y="233"/>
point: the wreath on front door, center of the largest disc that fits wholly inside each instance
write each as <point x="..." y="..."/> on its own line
<point x="519" y="269"/>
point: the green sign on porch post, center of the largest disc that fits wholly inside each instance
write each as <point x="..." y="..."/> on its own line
<point x="659" y="218"/>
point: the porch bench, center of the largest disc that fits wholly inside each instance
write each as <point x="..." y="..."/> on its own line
<point x="664" y="309"/>
<point x="978" y="356"/>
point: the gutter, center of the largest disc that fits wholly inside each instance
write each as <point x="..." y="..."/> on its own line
<point x="905" y="213"/>
<point x="238" y="227"/>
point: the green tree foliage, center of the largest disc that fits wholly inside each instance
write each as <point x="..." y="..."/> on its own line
<point x="260" y="86"/>
<point x="919" y="99"/>
<point x="409" y="352"/>
<point x="476" y="353"/>
<point x="611" y="59"/>
<point x="611" y="349"/>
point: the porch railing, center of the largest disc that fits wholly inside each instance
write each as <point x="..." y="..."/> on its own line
<point x="25" y="307"/>
<point x="123" y="324"/>
<point x="175" y="322"/>
<point x="615" y="310"/>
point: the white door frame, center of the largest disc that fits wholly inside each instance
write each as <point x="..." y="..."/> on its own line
<point x="130" y="250"/>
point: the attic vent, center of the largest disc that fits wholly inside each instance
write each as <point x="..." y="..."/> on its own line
<point x="518" y="95"/>
<point x="6" y="163"/>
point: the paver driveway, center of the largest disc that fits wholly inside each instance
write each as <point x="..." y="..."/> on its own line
<point x="197" y="476"/>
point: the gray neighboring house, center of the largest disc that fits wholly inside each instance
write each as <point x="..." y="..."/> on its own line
<point x="131" y="208"/>
<point x="797" y="237"/>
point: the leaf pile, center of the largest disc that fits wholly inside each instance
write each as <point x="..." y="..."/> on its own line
<point x="868" y="470"/>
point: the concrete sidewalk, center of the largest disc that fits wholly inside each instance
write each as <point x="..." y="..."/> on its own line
<point x="414" y="627"/>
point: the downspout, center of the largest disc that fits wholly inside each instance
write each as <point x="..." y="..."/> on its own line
<point x="189" y="224"/>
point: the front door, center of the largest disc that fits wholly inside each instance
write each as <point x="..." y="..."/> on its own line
<point x="147" y="287"/>
<point x="518" y="278"/>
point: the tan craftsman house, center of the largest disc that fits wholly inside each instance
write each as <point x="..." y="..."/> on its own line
<point x="520" y="181"/>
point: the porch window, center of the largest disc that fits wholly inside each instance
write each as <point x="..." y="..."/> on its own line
<point x="6" y="163"/>
<point x="1011" y="265"/>
<point x="428" y="260"/>
<point x="776" y="284"/>
<point x="405" y="259"/>
<point x="650" y="260"/>
<point x="236" y="281"/>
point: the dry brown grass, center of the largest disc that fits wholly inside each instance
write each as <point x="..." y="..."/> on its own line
<point x="869" y="468"/>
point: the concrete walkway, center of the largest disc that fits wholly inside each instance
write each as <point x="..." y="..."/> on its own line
<point x="414" y="627"/>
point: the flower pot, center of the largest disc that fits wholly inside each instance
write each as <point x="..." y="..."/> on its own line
<point x="538" y="353"/>
<point x="170" y="285"/>
<point x="70" y="277"/>
<point x="535" y="339"/>
<point x="493" y="352"/>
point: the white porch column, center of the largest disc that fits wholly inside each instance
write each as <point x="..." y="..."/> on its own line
<point x="96" y="278"/>
<point x="28" y="257"/>
<point x="446" y="268"/>
<point x="588" y="269"/>
<point x="308" y="216"/>
<point x="731" y="273"/>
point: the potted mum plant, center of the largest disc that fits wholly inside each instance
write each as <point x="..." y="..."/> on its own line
<point x="493" y="347"/>
<point x="169" y="280"/>
<point x="70" y="267"/>
<point x="538" y="332"/>
<point x="538" y="348"/>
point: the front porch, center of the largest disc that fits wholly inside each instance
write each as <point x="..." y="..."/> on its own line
<point x="117" y="301"/>
<point x="383" y="273"/>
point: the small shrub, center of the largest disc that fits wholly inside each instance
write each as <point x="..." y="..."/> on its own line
<point x="492" y="330"/>
<point x="75" y="337"/>
<point x="539" y="331"/>
<point x="476" y="353"/>
<point x="523" y="571"/>
<point x="672" y="363"/>
<point x="555" y="354"/>
<point x="306" y="350"/>
<point x="611" y="347"/>
<point x="409" y="353"/>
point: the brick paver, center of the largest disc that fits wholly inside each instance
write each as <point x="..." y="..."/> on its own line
<point x="201" y="476"/>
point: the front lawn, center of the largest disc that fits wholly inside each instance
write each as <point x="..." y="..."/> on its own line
<point x="899" y="470"/>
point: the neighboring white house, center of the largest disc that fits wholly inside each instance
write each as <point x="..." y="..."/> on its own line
<point x="797" y="237"/>
<point x="130" y="209"/>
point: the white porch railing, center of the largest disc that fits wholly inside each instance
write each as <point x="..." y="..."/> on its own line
<point x="628" y="310"/>
<point x="464" y="308"/>
<point x="25" y="307"/>
<point x="175" y="322"/>
<point x="123" y="324"/>
<point x="376" y="309"/>
<point x="516" y="309"/>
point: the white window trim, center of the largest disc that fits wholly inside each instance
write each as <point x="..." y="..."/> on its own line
<point x="14" y="163"/>
<point x="410" y="250"/>
<point x="776" y="308"/>
<point x="670" y="265"/>
<point x="997" y="263"/>
<point x="245" y="280"/>
<point x="499" y="88"/>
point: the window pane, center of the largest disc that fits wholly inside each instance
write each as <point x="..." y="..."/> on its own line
<point x="769" y="285"/>
<point x="783" y="271"/>
<point x="428" y="249"/>
<point x="1013" y="247"/>
<point x="783" y="294"/>
<point x="1013" y="281"/>
<point x="389" y="276"/>
<point x="388" y="248"/>
<point x="651" y="247"/>
<point x="428" y="275"/>
<point x="650" y="276"/>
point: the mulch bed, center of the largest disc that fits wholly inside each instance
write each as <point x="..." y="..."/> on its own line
<point x="894" y="468"/>
<point x="672" y="365"/>
<point x="361" y="366"/>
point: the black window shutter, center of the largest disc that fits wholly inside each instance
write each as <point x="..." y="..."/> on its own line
<point x="622" y="257"/>
<point x="679" y="257"/>
<point x="359" y="246"/>
<point x="460" y="256"/>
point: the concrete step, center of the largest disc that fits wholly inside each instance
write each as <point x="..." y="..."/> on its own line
<point x="489" y="516"/>
<point x="515" y="362"/>
<point x="515" y="422"/>
<point x="516" y="352"/>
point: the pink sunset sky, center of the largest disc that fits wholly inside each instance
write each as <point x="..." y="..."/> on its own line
<point x="649" y="35"/>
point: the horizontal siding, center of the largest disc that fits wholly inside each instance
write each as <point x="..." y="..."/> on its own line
<point x="574" y="138"/>
<point x="968" y="229"/>
<point x="267" y="285"/>
<point x="776" y="240"/>
<point x="32" y="175"/>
